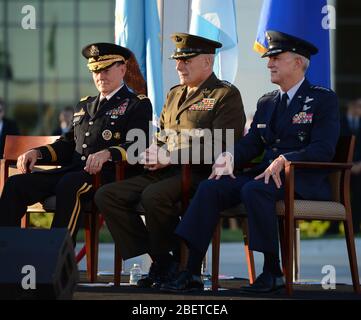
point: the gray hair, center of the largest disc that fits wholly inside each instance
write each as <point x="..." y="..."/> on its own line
<point x="305" y="61"/>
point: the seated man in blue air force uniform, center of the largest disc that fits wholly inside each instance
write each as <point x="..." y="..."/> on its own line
<point x="97" y="138"/>
<point x="298" y="122"/>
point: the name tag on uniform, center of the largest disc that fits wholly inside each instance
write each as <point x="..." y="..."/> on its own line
<point x="261" y="125"/>
<point x="205" y="105"/>
<point x="302" y="118"/>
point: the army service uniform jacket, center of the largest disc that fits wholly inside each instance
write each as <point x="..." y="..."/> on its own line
<point x="95" y="130"/>
<point x="215" y="105"/>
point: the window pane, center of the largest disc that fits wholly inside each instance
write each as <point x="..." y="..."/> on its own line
<point x="87" y="88"/>
<point x="97" y="11"/>
<point x="1" y="14"/>
<point x="24" y="53"/>
<point x="90" y="35"/>
<point x="59" y="52"/>
<point x="59" y="11"/>
<point x="4" y="66"/>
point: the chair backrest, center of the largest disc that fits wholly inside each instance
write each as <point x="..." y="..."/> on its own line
<point x="344" y="149"/>
<point x="344" y="154"/>
<point x="16" y="145"/>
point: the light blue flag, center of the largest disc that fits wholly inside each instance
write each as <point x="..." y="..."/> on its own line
<point x="137" y="27"/>
<point x="216" y="20"/>
<point x="303" y="19"/>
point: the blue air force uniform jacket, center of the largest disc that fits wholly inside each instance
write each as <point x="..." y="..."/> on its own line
<point x="94" y="130"/>
<point x="308" y="131"/>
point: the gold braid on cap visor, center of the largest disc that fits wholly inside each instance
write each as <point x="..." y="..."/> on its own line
<point x="101" y="62"/>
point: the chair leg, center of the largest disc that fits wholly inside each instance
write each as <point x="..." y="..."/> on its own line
<point x="350" y="241"/>
<point x="25" y="220"/>
<point x="289" y="236"/>
<point x="297" y="248"/>
<point x="92" y="244"/>
<point x="184" y="252"/>
<point x="117" y="266"/>
<point x="281" y="230"/>
<point x="215" y="256"/>
<point x="249" y="253"/>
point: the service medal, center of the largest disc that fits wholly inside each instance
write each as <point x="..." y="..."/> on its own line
<point x="107" y="135"/>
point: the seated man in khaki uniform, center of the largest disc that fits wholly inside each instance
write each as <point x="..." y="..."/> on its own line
<point x="199" y="102"/>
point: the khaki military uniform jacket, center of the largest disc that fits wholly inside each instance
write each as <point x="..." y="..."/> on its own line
<point x="215" y="105"/>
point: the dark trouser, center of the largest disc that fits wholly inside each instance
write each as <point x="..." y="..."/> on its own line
<point x="160" y="194"/>
<point x="213" y="196"/>
<point x="71" y="189"/>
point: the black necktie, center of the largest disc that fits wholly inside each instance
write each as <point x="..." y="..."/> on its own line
<point x="280" y="110"/>
<point x="102" y="102"/>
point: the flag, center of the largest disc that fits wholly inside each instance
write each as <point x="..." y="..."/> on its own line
<point x="302" y="19"/>
<point x="137" y="27"/>
<point x="216" y="20"/>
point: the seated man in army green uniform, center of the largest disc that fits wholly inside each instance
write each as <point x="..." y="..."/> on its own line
<point x="199" y="102"/>
<point x="96" y="139"/>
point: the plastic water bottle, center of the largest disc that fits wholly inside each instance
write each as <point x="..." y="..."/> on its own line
<point x="135" y="274"/>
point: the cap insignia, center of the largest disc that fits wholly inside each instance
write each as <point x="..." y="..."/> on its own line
<point x="94" y="51"/>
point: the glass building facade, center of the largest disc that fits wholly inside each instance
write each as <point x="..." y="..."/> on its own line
<point x="42" y="69"/>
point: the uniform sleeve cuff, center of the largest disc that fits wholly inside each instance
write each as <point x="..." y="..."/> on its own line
<point x="118" y="153"/>
<point x="48" y="153"/>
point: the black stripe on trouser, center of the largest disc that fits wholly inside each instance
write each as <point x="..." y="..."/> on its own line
<point x="77" y="207"/>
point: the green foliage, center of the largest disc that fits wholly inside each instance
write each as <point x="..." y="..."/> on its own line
<point x="41" y="220"/>
<point x="313" y="229"/>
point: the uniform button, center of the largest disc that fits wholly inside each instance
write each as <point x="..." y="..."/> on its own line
<point x="278" y="140"/>
<point x="274" y="149"/>
<point x="87" y="134"/>
<point x="91" y="123"/>
<point x="83" y="158"/>
<point x="84" y="146"/>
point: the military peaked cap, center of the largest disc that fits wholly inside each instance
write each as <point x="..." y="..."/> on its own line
<point x="279" y="42"/>
<point x="189" y="45"/>
<point x="102" y="55"/>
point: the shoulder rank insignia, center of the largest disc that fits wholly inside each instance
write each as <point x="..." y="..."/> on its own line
<point x="320" y="88"/>
<point x="227" y="83"/>
<point x="79" y="113"/>
<point x="142" y="96"/>
<point x="271" y="93"/>
<point x="85" y="98"/>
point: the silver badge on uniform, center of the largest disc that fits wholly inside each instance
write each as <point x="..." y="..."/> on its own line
<point x="301" y="135"/>
<point x="107" y="135"/>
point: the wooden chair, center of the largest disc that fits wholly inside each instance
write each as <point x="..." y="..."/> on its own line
<point x="338" y="209"/>
<point x="240" y="213"/>
<point x="16" y="145"/>
<point x="140" y="210"/>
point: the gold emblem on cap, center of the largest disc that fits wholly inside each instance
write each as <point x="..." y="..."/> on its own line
<point x="107" y="135"/>
<point x="94" y="51"/>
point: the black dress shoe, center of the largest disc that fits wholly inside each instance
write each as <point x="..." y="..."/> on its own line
<point x="185" y="282"/>
<point x="158" y="274"/>
<point x="265" y="282"/>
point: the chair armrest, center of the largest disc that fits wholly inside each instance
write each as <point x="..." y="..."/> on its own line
<point x="319" y="165"/>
